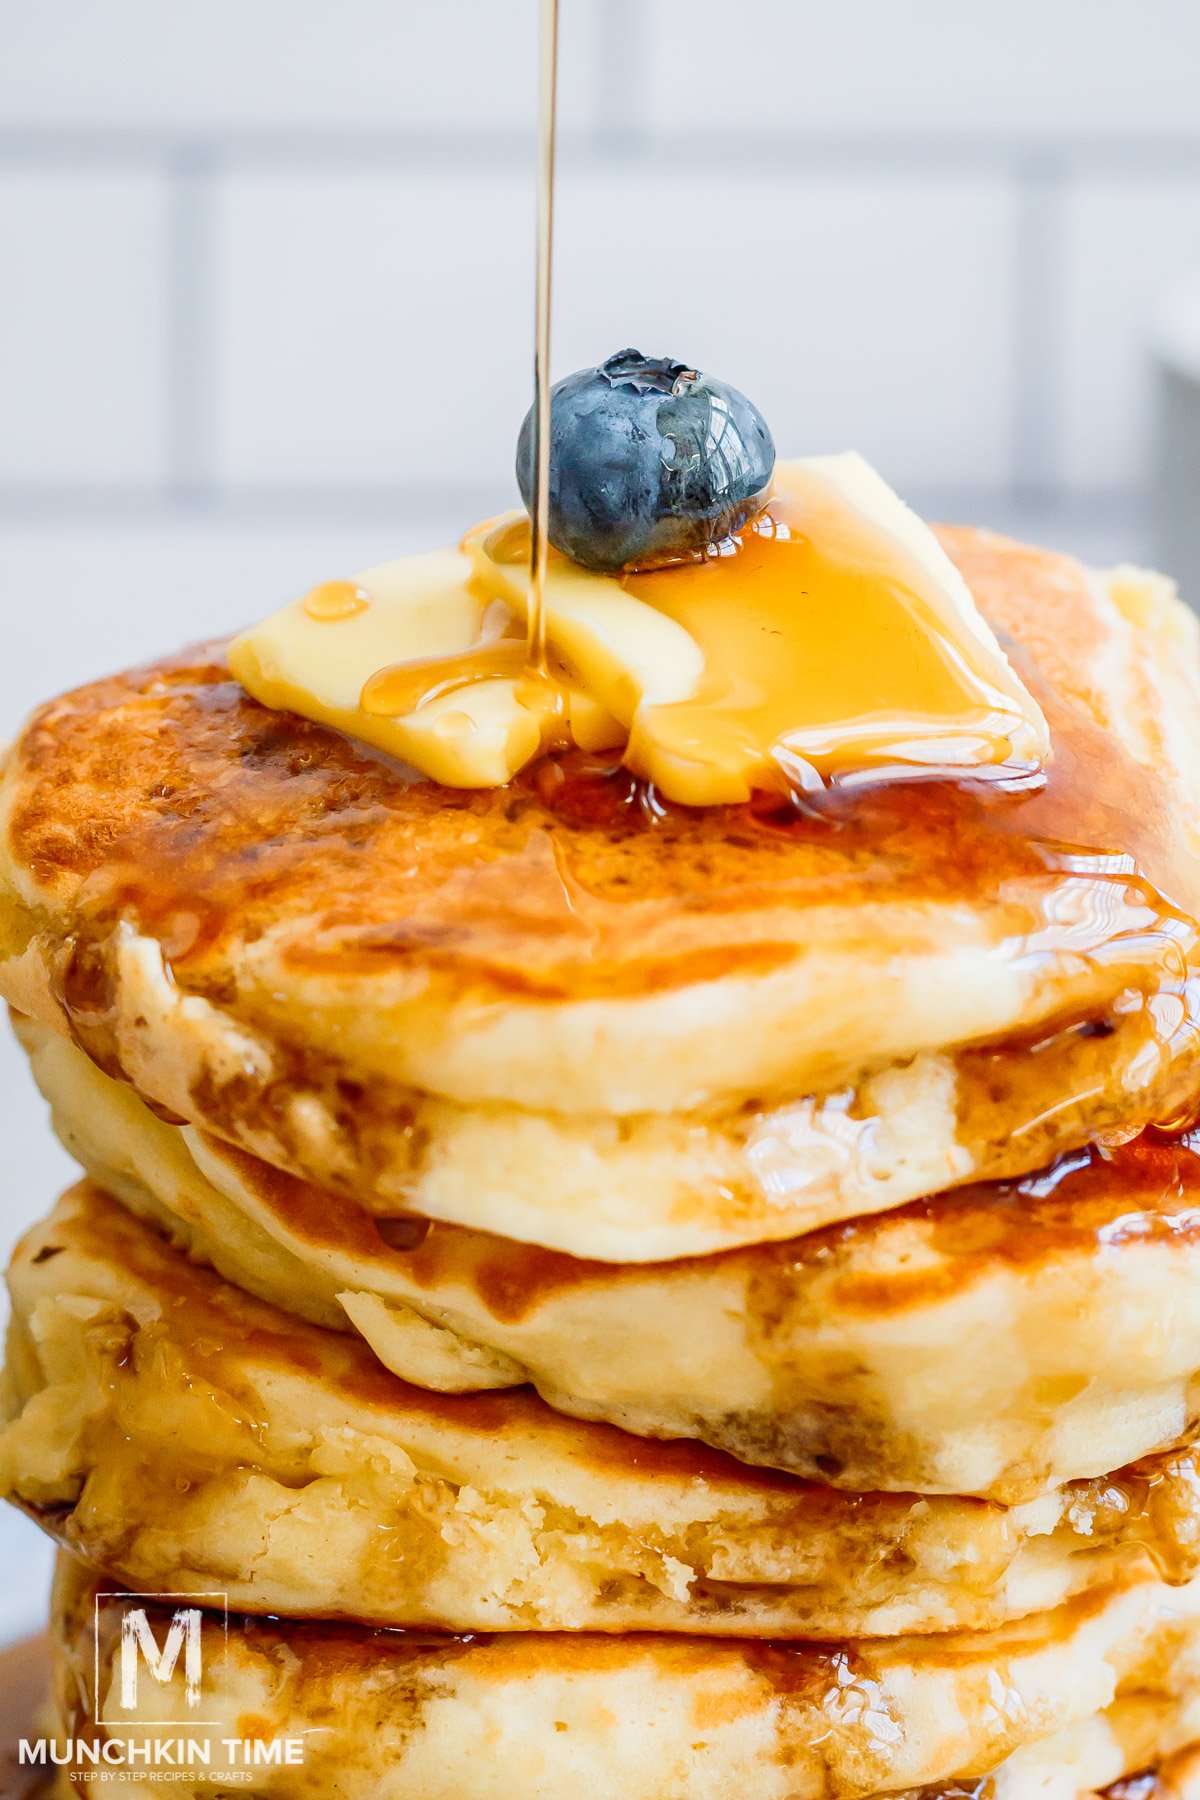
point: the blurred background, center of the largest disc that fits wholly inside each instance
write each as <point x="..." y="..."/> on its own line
<point x="266" y="283"/>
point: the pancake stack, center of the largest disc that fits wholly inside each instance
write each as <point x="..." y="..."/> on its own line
<point x="614" y="1298"/>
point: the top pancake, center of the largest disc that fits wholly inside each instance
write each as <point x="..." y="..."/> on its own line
<point x="234" y="905"/>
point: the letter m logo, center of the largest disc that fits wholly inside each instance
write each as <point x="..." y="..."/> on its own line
<point x="138" y="1644"/>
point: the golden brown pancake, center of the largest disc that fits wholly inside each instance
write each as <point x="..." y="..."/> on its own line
<point x="1062" y="1703"/>
<point x="568" y="1012"/>
<point x="998" y="1339"/>
<point x="182" y="1436"/>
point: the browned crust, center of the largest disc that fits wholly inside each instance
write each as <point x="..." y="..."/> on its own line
<point x="168" y="795"/>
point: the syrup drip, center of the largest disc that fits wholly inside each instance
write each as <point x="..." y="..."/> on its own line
<point x="334" y="600"/>
<point x="812" y="670"/>
<point x="403" y="687"/>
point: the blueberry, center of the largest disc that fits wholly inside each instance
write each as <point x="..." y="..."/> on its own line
<point x="649" y="460"/>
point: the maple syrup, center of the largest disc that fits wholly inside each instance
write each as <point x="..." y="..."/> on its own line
<point x="539" y="539"/>
<point x="396" y="691"/>
<point x="405" y="686"/>
<point x="827" y="651"/>
<point x="831" y="639"/>
<point x="333" y="600"/>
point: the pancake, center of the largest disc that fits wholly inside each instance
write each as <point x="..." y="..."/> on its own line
<point x="183" y="1437"/>
<point x="1049" y="1771"/>
<point x="1076" y="1699"/>
<point x="575" y="1015"/>
<point x="1050" y="1775"/>
<point x="996" y="1340"/>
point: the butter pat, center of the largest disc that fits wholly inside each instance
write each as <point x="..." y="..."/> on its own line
<point x="836" y="638"/>
<point x="317" y="661"/>
<point x="839" y="640"/>
<point x="833" y="639"/>
<point x="625" y="653"/>
<point x="475" y="736"/>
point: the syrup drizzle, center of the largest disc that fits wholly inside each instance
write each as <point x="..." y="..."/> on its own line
<point x="404" y="687"/>
<point x="540" y="511"/>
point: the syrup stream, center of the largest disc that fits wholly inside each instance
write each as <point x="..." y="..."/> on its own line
<point x="540" y="521"/>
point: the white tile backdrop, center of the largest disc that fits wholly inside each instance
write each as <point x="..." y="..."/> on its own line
<point x="265" y="286"/>
<point x="266" y="256"/>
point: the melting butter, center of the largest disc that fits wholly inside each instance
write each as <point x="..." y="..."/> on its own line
<point x="624" y="651"/>
<point x="415" y="659"/>
<point x="840" y="638"/>
<point x="316" y="654"/>
<point x="834" y="637"/>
